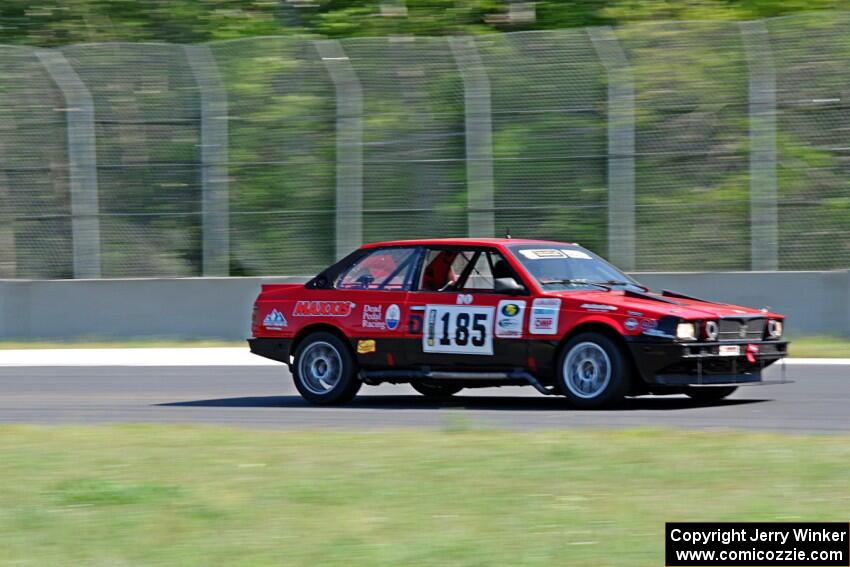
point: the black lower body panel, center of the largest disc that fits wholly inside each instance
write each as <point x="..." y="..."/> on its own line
<point x="273" y="348"/>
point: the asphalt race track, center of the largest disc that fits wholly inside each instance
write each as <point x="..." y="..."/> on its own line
<point x="263" y="396"/>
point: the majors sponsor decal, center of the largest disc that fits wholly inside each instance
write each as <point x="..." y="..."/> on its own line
<point x="275" y="320"/>
<point x="366" y="346"/>
<point x="509" y="317"/>
<point x="544" y="316"/>
<point x="322" y="309"/>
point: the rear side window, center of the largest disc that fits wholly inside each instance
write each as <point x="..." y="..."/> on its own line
<point x="387" y="269"/>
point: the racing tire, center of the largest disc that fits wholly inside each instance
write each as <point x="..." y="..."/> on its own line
<point x="593" y="371"/>
<point x="713" y="394"/>
<point x="324" y="370"/>
<point x="436" y="391"/>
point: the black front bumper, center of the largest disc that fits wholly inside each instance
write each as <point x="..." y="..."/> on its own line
<point x="679" y="363"/>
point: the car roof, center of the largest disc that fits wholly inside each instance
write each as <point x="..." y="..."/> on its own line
<point x="463" y="242"/>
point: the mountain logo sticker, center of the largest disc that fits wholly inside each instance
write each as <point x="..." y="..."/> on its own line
<point x="275" y="320"/>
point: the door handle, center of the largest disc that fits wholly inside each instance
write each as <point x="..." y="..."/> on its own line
<point x="417" y="308"/>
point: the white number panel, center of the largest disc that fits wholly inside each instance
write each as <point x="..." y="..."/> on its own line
<point x="458" y="329"/>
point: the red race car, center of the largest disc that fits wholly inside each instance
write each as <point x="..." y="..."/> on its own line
<point x="448" y="314"/>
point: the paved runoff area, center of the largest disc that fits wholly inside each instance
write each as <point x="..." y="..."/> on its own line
<point x="227" y="386"/>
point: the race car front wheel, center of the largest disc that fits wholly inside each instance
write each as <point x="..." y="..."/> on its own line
<point x="593" y="371"/>
<point x="324" y="370"/>
<point x="434" y="390"/>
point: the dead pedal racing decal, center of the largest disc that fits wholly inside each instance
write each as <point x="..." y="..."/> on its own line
<point x="544" y="316"/>
<point x="509" y="317"/>
<point x="375" y="318"/>
<point x="365" y="346"/>
<point x="458" y="329"/>
<point x="275" y="320"/>
<point x="322" y="309"/>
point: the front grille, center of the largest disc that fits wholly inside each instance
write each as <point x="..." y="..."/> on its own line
<point x="737" y="329"/>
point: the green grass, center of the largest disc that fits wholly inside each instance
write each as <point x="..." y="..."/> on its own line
<point x="820" y="347"/>
<point x="801" y="347"/>
<point x="176" y="495"/>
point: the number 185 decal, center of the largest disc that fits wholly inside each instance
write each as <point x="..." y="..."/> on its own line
<point x="458" y="329"/>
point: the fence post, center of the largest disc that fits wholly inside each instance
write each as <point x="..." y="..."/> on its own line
<point x="349" y="146"/>
<point x="764" y="216"/>
<point x="621" y="147"/>
<point x="479" y="137"/>
<point x="215" y="197"/>
<point x="82" y="163"/>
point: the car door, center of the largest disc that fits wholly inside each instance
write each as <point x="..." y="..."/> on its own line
<point x="458" y="319"/>
<point x="377" y="286"/>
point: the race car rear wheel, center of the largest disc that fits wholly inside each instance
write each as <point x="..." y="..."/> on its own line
<point x="706" y="394"/>
<point x="324" y="370"/>
<point x="593" y="371"/>
<point x="434" y="390"/>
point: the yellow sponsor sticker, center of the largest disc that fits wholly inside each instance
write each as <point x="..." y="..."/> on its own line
<point x="366" y="346"/>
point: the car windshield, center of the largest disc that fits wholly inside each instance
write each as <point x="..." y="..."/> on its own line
<point x="569" y="267"/>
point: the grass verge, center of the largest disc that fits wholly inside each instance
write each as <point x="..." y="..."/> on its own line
<point x="820" y="347"/>
<point x="177" y="495"/>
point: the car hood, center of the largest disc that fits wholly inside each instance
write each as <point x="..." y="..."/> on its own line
<point x="656" y="305"/>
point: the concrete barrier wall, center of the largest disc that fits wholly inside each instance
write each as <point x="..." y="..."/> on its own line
<point x="185" y="307"/>
<point x="814" y="302"/>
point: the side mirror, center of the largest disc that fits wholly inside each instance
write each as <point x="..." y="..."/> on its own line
<point x="508" y="286"/>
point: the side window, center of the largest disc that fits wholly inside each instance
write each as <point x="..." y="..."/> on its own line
<point x="487" y="268"/>
<point x="442" y="269"/>
<point x="481" y="276"/>
<point x="387" y="269"/>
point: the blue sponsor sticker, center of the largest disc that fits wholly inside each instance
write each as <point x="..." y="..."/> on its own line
<point x="392" y="317"/>
<point x="510" y="310"/>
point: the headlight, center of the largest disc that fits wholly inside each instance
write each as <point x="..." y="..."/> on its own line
<point x="774" y="328"/>
<point x="711" y="330"/>
<point x="686" y="331"/>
